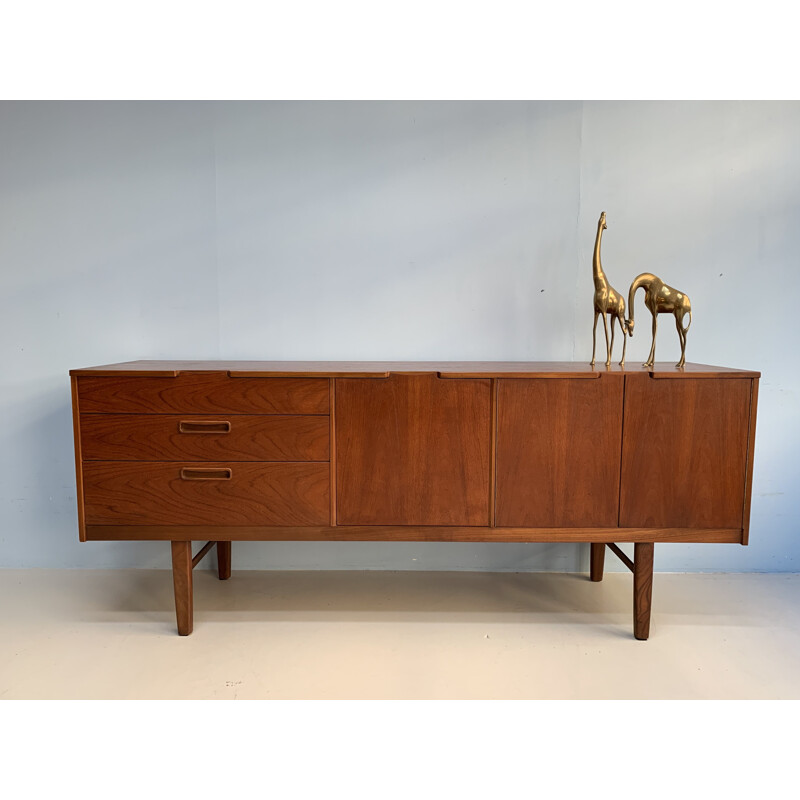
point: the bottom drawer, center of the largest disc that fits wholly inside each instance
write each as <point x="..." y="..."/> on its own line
<point x="156" y="493"/>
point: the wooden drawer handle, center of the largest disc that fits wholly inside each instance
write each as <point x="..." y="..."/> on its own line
<point x="206" y="474"/>
<point x="204" y="426"/>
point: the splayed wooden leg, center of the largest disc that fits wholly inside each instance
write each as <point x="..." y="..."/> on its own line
<point x="642" y="588"/>
<point x="224" y="560"/>
<point x="597" y="562"/>
<point x="182" y="581"/>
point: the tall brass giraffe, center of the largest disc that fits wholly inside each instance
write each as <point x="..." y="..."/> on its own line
<point x="660" y="299"/>
<point x="606" y="300"/>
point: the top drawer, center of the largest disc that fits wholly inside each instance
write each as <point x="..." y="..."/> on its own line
<point x="203" y="393"/>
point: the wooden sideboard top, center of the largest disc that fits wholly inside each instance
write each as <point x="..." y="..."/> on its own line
<point x="382" y="369"/>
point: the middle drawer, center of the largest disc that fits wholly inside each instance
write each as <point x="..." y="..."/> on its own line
<point x="186" y="437"/>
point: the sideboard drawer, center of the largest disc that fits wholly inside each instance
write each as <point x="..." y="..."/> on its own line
<point x="157" y="493"/>
<point x="189" y="437"/>
<point x="203" y="393"/>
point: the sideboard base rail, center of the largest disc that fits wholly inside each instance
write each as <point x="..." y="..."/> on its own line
<point x="641" y="566"/>
<point x="406" y="533"/>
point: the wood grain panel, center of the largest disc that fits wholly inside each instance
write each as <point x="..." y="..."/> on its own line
<point x="158" y="437"/>
<point x="413" y="450"/>
<point x="493" y="452"/>
<point x="751" y="448"/>
<point x="332" y="446"/>
<point x="668" y="371"/>
<point x="558" y="452"/>
<point x="203" y="394"/>
<point x="684" y="453"/>
<point x="153" y="493"/>
<point x="76" y="433"/>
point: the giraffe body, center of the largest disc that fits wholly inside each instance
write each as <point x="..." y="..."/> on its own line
<point x="660" y="299"/>
<point x="606" y="301"/>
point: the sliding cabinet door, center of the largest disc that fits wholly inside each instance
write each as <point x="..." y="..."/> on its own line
<point x="412" y="450"/>
<point x="558" y="451"/>
<point x="685" y="452"/>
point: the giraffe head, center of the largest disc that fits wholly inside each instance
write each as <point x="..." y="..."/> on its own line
<point x="602" y="222"/>
<point x="629" y="326"/>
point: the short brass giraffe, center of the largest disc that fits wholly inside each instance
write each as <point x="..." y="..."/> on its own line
<point x="606" y="300"/>
<point x="661" y="299"/>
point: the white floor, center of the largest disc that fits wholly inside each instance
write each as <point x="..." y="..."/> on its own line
<point x="110" y="634"/>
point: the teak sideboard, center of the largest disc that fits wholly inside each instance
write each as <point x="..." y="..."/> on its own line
<point x="391" y="451"/>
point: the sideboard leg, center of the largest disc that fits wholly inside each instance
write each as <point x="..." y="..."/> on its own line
<point x="182" y="581"/>
<point x="598" y="561"/>
<point x="642" y="588"/>
<point x="224" y="560"/>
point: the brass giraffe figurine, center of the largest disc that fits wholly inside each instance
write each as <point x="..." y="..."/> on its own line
<point x="660" y="299"/>
<point x="606" y="300"/>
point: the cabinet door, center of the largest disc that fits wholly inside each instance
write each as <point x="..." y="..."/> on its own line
<point x="558" y="452"/>
<point x="685" y="451"/>
<point x="412" y="450"/>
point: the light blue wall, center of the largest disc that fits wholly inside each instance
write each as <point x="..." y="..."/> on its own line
<point x="385" y="231"/>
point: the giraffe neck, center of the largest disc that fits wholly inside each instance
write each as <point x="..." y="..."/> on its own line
<point x="597" y="267"/>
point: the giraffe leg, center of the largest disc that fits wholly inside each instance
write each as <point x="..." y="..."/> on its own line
<point x="651" y="359"/>
<point x="608" y="348"/>
<point x="624" y="341"/>
<point x="594" y="335"/>
<point x="611" y="351"/>
<point x="682" y="338"/>
<point x="683" y="352"/>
